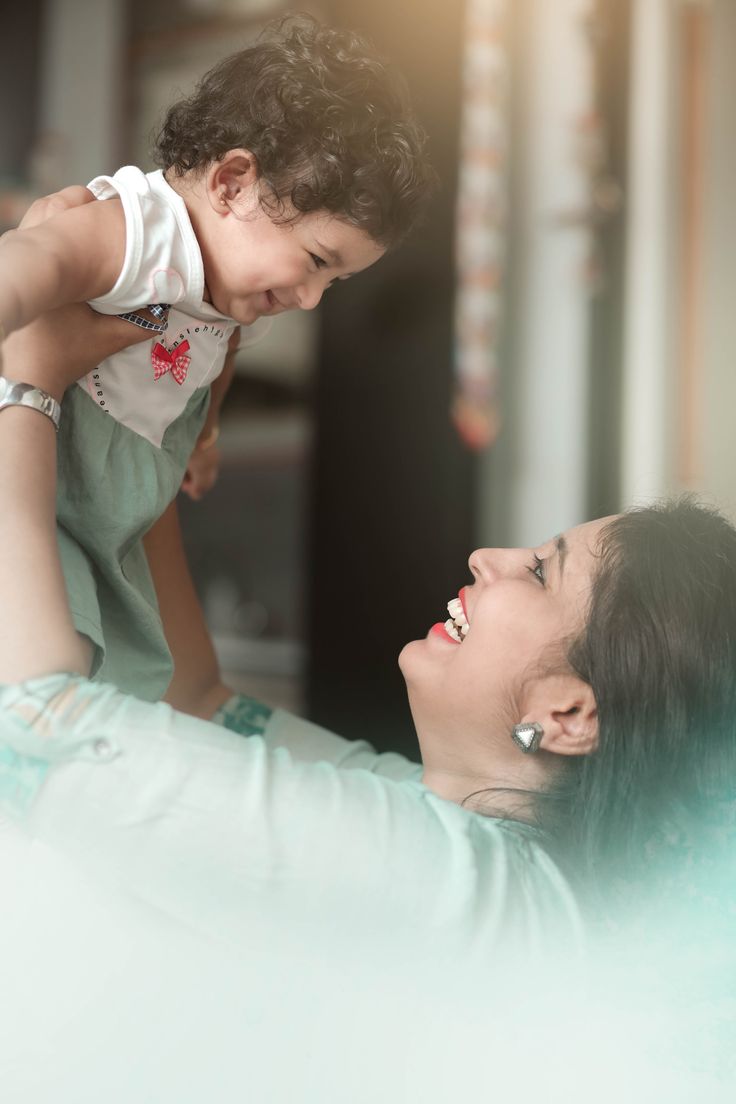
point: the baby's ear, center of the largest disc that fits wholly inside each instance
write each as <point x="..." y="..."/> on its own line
<point x="566" y="708"/>
<point x="232" y="180"/>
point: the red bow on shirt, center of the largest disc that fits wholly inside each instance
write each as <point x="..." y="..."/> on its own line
<point x="175" y="361"/>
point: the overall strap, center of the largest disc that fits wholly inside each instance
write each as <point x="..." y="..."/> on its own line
<point x="160" y="311"/>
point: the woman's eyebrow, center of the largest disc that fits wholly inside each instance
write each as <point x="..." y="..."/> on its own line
<point x="561" y="548"/>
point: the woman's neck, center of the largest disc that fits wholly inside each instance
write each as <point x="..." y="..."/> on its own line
<point x="505" y="788"/>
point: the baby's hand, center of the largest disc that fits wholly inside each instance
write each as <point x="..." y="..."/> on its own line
<point x="204" y="466"/>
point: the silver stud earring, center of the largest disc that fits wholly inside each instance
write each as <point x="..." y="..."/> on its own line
<point x="527" y="736"/>
<point x="223" y="198"/>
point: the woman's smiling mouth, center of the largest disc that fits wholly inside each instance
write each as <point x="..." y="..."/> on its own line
<point x="456" y="627"/>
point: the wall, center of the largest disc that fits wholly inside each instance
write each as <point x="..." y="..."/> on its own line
<point x="81" y="110"/>
<point x="535" y="482"/>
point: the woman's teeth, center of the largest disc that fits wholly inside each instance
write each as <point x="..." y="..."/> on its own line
<point x="457" y="627"/>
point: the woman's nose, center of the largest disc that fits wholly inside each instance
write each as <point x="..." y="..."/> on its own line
<point x="487" y="564"/>
<point x="480" y="564"/>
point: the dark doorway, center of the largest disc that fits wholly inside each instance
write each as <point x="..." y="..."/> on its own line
<point x="392" y="500"/>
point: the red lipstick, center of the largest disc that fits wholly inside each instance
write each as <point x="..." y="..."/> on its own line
<point x="440" y="630"/>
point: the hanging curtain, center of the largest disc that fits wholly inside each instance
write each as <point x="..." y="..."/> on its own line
<point x="481" y="222"/>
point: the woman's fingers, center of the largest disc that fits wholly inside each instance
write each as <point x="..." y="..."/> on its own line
<point x="64" y="345"/>
<point x="48" y="206"/>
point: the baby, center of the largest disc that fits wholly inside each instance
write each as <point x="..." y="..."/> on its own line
<point x="295" y="163"/>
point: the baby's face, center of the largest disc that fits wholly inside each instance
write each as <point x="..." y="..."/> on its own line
<point x="254" y="266"/>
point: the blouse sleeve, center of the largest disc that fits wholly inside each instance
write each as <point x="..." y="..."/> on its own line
<point x="310" y="743"/>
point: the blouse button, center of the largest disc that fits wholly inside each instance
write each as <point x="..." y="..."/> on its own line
<point x="102" y="748"/>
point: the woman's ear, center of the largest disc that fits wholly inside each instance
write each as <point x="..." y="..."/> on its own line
<point x="566" y="708"/>
<point x="232" y="180"/>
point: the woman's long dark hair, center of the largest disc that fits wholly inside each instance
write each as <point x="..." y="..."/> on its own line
<point x="659" y="651"/>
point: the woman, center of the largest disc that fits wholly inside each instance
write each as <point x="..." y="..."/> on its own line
<point x="585" y="687"/>
<point x="574" y="717"/>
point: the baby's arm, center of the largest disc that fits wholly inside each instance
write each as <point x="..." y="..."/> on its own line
<point x="204" y="463"/>
<point x="61" y="346"/>
<point x="71" y="257"/>
<point x="196" y="687"/>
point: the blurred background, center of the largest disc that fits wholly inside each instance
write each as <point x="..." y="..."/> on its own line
<point x="556" y="343"/>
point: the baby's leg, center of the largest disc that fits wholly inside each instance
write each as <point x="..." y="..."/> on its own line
<point x="87" y="650"/>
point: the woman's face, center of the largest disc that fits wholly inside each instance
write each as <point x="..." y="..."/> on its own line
<point x="522" y="606"/>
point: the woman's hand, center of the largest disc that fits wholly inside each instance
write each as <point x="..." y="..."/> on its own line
<point x="62" y="346"/>
<point x="48" y="206"/>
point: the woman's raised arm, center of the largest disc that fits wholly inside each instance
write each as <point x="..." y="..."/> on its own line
<point x="37" y="636"/>
<point x="36" y="632"/>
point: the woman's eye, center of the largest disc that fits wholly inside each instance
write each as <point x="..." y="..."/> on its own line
<point x="538" y="570"/>
<point x="319" y="262"/>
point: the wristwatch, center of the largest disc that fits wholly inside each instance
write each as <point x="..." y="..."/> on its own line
<point x="25" y="394"/>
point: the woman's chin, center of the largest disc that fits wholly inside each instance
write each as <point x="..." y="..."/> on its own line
<point x="417" y="653"/>
<point x="410" y="656"/>
<point x="405" y="655"/>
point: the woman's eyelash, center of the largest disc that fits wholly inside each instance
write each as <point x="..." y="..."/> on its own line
<point x="320" y="262"/>
<point x="538" y="570"/>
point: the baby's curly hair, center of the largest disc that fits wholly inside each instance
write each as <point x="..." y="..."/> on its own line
<point x="327" y="119"/>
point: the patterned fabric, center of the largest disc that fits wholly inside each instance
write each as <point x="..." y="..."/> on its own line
<point x="20" y="780"/>
<point x="160" y="311"/>
<point x="28" y="748"/>
<point x="243" y="715"/>
<point x="481" y="223"/>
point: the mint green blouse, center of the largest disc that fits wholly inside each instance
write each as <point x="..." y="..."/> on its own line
<point x="198" y="915"/>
